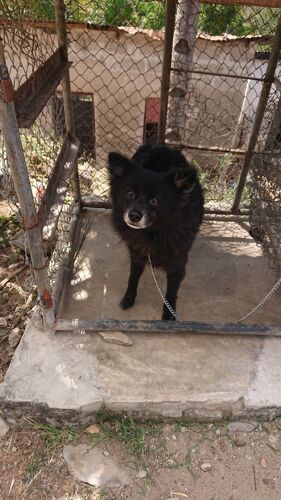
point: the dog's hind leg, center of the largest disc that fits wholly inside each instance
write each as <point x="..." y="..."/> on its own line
<point x="131" y="292"/>
<point x="174" y="280"/>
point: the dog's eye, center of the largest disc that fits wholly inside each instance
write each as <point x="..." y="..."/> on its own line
<point x="130" y="195"/>
<point x="154" y="202"/>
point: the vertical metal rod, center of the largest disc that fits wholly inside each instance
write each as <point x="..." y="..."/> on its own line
<point x="11" y="135"/>
<point x="268" y="80"/>
<point x="166" y="67"/>
<point x="66" y="88"/>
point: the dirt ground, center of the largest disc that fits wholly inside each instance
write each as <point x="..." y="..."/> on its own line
<point x="166" y="461"/>
<point x="171" y="457"/>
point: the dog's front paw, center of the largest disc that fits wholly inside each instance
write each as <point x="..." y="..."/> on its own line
<point x="127" y="301"/>
<point x="167" y="315"/>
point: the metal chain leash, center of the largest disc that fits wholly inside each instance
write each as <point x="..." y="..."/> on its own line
<point x="262" y="302"/>
<point x="169" y="307"/>
<point x="248" y="315"/>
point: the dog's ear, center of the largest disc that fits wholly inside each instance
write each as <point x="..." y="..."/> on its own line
<point x="118" y="164"/>
<point x="184" y="179"/>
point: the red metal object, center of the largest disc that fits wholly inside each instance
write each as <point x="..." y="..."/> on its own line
<point x="152" y="110"/>
<point x="46" y="299"/>
<point x="7" y="90"/>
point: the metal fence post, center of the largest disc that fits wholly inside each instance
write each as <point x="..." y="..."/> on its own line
<point x="20" y="176"/>
<point x="268" y="80"/>
<point x="66" y="88"/>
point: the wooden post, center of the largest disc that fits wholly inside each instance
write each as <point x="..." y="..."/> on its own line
<point x="184" y="43"/>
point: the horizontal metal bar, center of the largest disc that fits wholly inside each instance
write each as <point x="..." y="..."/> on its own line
<point x="94" y="326"/>
<point x="217" y="149"/>
<point x="91" y="202"/>
<point x="214" y="73"/>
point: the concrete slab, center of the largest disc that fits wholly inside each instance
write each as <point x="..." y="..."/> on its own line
<point x="66" y="378"/>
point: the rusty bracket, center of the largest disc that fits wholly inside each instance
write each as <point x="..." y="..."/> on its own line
<point x="46" y="300"/>
<point x="7" y="91"/>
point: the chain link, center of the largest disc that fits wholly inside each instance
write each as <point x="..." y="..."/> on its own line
<point x="248" y="315"/>
<point x="169" y="307"/>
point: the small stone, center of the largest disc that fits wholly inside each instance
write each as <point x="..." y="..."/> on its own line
<point x="206" y="466"/>
<point x="239" y="442"/>
<point x="174" y="437"/>
<point x="106" y="454"/>
<point x="184" y="429"/>
<point x="93" y="429"/>
<point x="141" y="474"/>
<point x="89" y="465"/>
<point x="272" y="439"/>
<point x="242" y="426"/>
<point x="9" y="317"/>
<point x="263" y="462"/>
<point x="14" y="337"/>
<point x="218" y="432"/>
<point x="3" y="427"/>
<point x="3" y="322"/>
<point x="14" y="449"/>
<point x="269" y="482"/>
<point x="119" y="338"/>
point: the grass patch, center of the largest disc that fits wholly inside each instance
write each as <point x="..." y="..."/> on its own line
<point x="54" y="436"/>
<point x="34" y="467"/>
<point x="133" y="435"/>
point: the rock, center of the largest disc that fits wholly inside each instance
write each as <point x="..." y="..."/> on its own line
<point x="3" y="427"/>
<point x="272" y="439"/>
<point x="239" y="442"/>
<point x="218" y="432"/>
<point x="10" y="317"/>
<point x="3" y="322"/>
<point x="263" y="462"/>
<point x="90" y="465"/>
<point x="93" y="429"/>
<point x="242" y="426"/>
<point x="119" y="338"/>
<point x="206" y="466"/>
<point x="141" y="474"/>
<point x="269" y="482"/>
<point x="106" y="454"/>
<point x="174" y="437"/>
<point x="14" y="337"/>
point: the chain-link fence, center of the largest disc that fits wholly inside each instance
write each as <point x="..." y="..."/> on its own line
<point x="219" y="62"/>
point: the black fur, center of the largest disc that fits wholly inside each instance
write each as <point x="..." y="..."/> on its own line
<point x="159" y="194"/>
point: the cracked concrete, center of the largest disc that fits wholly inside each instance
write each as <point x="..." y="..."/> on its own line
<point x="67" y="378"/>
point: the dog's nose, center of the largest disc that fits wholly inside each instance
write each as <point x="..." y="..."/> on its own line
<point x="135" y="216"/>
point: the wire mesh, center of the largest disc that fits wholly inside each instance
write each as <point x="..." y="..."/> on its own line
<point x="116" y="48"/>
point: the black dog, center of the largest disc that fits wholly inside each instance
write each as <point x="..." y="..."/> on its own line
<point x="157" y="210"/>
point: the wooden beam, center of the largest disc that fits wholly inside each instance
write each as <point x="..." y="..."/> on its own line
<point x="247" y="3"/>
<point x="182" y="327"/>
<point x="33" y="94"/>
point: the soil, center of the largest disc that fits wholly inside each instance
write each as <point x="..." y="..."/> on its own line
<point x="243" y="466"/>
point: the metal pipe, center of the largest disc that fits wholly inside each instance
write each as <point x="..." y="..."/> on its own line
<point x="181" y="327"/>
<point x="268" y="80"/>
<point x="166" y="67"/>
<point x="212" y="73"/>
<point x="20" y="176"/>
<point x="66" y="88"/>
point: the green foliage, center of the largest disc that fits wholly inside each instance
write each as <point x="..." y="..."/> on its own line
<point x="134" y="436"/>
<point x="214" y="19"/>
<point x="240" y="21"/>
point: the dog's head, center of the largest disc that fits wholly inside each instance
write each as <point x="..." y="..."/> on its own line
<point x="146" y="198"/>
